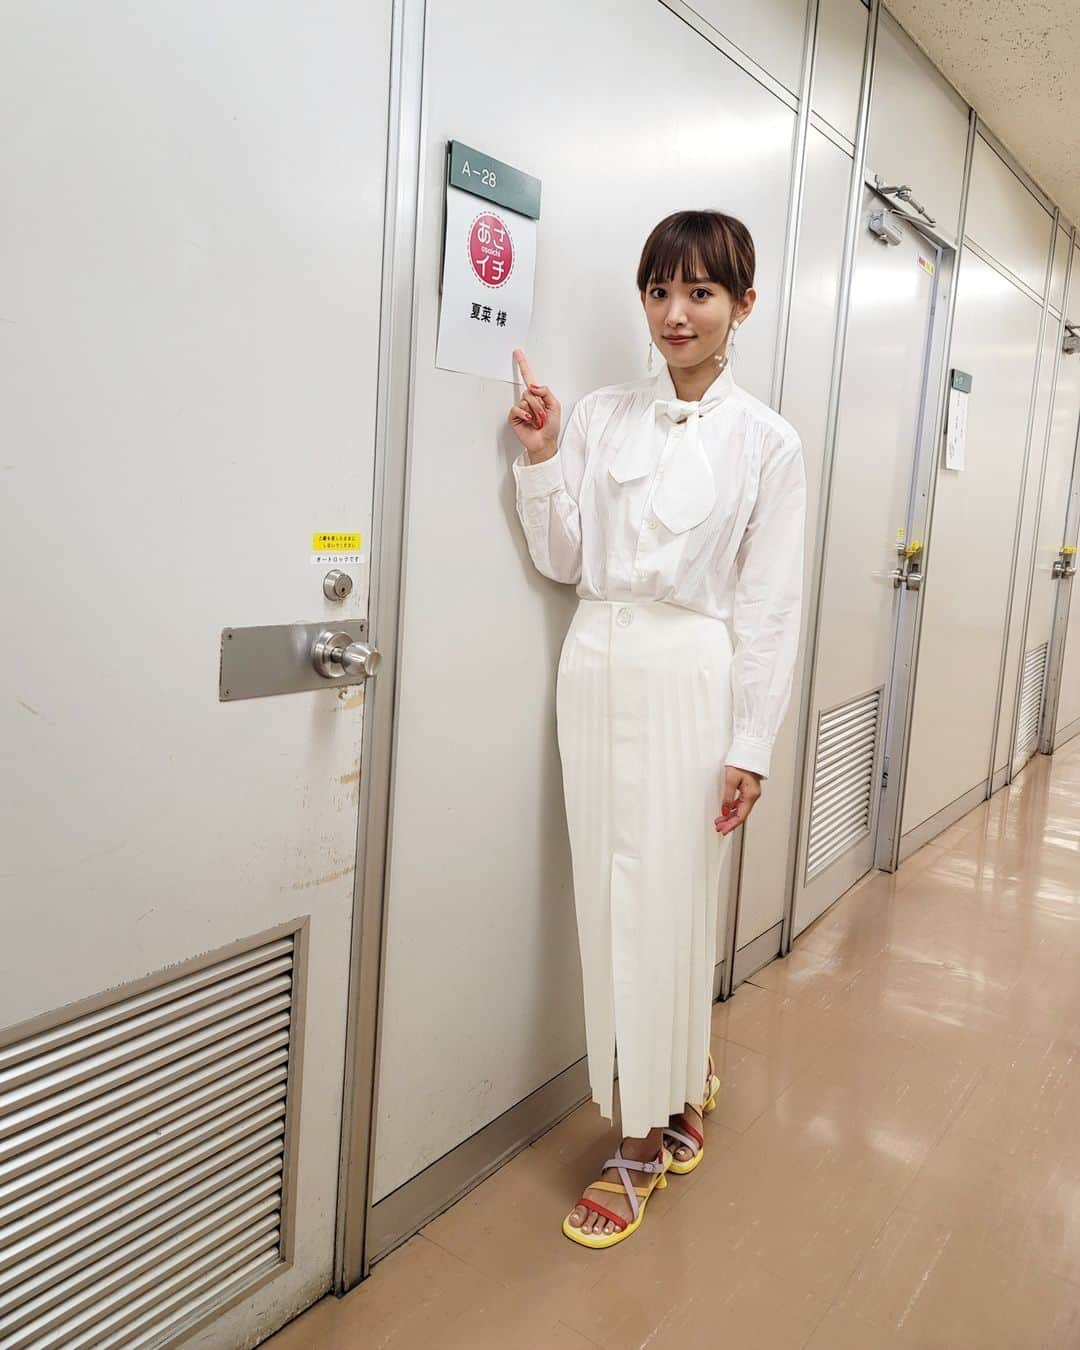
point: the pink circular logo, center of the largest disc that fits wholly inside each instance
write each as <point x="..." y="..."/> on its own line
<point x="491" y="249"/>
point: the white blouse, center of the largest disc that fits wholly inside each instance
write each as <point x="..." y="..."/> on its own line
<point x="698" y="504"/>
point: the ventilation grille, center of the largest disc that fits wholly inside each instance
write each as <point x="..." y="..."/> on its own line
<point x="142" y="1157"/>
<point x="842" y="797"/>
<point x="1031" y="698"/>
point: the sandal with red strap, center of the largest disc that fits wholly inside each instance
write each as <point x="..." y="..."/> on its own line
<point x="685" y="1135"/>
<point x="637" y="1195"/>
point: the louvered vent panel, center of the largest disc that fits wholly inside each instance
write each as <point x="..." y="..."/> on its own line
<point x="142" y="1155"/>
<point x="1031" y="696"/>
<point x="842" y="795"/>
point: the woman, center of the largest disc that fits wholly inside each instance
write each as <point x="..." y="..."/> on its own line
<point x="676" y="506"/>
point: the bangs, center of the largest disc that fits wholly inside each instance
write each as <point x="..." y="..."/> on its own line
<point x="699" y="244"/>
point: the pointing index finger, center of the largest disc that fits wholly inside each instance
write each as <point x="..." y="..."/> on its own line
<point x="523" y="366"/>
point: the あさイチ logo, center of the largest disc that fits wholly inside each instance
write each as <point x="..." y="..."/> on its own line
<point x="491" y="249"/>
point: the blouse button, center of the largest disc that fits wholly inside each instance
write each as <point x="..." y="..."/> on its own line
<point x="624" y="618"/>
<point x="652" y="523"/>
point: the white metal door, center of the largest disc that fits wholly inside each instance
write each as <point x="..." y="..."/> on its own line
<point x="190" y="254"/>
<point x="884" y="379"/>
<point x="1019" y="736"/>
<point x="995" y="338"/>
<point x="1062" y="722"/>
<point x="1067" y="718"/>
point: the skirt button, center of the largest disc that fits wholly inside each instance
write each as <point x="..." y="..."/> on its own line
<point x="624" y="618"/>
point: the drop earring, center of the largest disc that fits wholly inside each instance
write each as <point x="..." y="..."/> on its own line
<point x="731" y="338"/>
<point x="649" y="363"/>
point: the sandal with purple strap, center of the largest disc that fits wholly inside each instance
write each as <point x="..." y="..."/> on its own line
<point x="637" y="1195"/>
<point x="685" y="1135"/>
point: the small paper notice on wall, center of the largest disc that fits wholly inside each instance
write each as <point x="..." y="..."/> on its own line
<point x="488" y="264"/>
<point x="956" y="419"/>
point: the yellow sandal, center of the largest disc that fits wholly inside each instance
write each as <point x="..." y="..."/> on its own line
<point x="637" y="1195"/>
<point x="687" y="1135"/>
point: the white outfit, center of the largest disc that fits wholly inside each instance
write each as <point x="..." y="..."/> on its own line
<point x="685" y="522"/>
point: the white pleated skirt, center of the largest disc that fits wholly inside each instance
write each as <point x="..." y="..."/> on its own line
<point x="645" y="722"/>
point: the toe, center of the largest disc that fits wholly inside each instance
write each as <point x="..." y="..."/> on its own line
<point x="577" y="1218"/>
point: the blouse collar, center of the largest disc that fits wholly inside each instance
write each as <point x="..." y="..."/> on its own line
<point x="686" y="495"/>
<point x="663" y="391"/>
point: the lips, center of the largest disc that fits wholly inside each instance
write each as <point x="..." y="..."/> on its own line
<point x="678" y="341"/>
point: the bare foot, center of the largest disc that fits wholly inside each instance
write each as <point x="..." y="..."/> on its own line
<point x="592" y="1221"/>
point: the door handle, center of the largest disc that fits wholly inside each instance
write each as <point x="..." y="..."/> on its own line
<point x="909" y="573"/>
<point x="336" y="656"/>
<point x="290" y="658"/>
<point x="911" y="577"/>
<point x="1063" y="569"/>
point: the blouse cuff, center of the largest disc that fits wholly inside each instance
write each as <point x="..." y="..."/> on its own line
<point x="539" y="480"/>
<point x="748" y="753"/>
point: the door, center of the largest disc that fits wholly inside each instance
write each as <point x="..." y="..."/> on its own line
<point x="190" y="254"/>
<point x="995" y="339"/>
<point x="871" y="509"/>
<point x="1061" y="719"/>
<point x="1048" y="568"/>
<point x="971" y="610"/>
<point x="1063" y="702"/>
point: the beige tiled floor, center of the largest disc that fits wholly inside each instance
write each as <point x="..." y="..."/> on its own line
<point x="894" y="1165"/>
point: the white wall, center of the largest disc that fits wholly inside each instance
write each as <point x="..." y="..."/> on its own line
<point x="770" y="32"/>
<point x="804" y="403"/>
<point x="482" y="985"/>
<point x="460" y="884"/>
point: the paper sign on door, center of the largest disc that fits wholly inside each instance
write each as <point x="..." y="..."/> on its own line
<point x="956" y="419"/>
<point x="488" y="263"/>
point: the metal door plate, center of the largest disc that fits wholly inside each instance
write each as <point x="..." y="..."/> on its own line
<point x="258" y="662"/>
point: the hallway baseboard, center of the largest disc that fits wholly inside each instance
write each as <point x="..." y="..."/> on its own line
<point x="757" y="953"/>
<point x="403" y="1212"/>
<point x="948" y="815"/>
<point x="1067" y="733"/>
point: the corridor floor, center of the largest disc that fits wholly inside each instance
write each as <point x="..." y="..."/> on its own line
<point x="895" y="1159"/>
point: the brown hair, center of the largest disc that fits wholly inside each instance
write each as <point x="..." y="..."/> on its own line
<point x="699" y="243"/>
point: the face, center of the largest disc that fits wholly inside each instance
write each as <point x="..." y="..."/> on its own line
<point x="690" y="320"/>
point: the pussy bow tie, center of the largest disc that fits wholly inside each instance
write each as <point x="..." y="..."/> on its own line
<point x="686" y="492"/>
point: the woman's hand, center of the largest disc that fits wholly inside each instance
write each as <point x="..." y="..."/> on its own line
<point x="535" y="417"/>
<point x="741" y="790"/>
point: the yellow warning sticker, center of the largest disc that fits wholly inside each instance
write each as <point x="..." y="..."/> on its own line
<point x="926" y="265"/>
<point x="330" y="542"/>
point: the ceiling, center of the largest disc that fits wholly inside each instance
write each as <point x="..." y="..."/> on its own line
<point x="1017" y="64"/>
